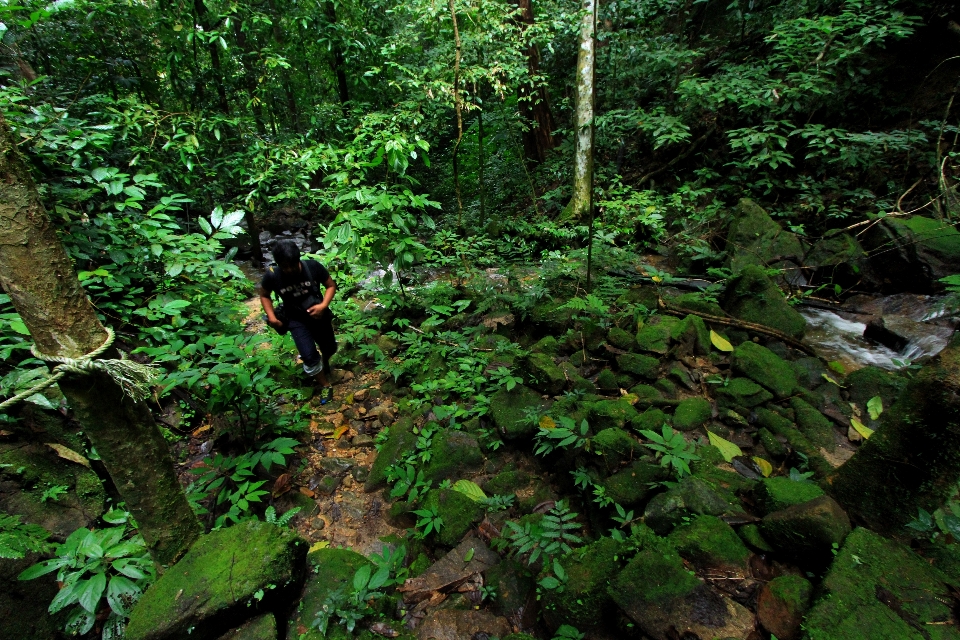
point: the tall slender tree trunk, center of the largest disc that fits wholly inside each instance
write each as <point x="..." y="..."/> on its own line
<point x="203" y="19"/>
<point x="248" y="79"/>
<point x="580" y="204"/>
<point x="534" y="100"/>
<point x="287" y="86"/>
<point x="458" y="107"/>
<point x="338" y="62"/>
<point x="37" y="274"/>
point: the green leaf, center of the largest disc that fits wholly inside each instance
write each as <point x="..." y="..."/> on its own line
<point x="89" y="597"/>
<point x="728" y="450"/>
<point x="719" y="341"/>
<point x="207" y="229"/>
<point x="875" y="407"/>
<point x="100" y="174"/>
<point x="861" y="428"/>
<point x="470" y="489"/>
<point x="121" y="595"/>
<point x="361" y="577"/>
<point x="468" y="556"/>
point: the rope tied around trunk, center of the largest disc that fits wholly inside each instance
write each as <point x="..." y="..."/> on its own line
<point x="134" y="378"/>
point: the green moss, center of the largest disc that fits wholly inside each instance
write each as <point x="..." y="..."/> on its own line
<point x="652" y="419"/>
<point x="813" y="424"/>
<point x="806" y="532"/>
<point x="401" y="441"/>
<point x="710" y="543"/>
<point x="506" y="482"/>
<point x="641" y="295"/>
<point x="692" y="496"/>
<point x="666" y="387"/>
<point x="646" y="395"/>
<point x="644" y="367"/>
<point x="547" y="345"/>
<point x="695" y="302"/>
<point x="773" y="447"/>
<point x="774" y="494"/>
<point x="750" y="534"/>
<point x="217" y="578"/>
<point x="512" y="583"/>
<point x="452" y="454"/>
<point x="765" y="368"/>
<point x="621" y="339"/>
<point x="692" y="336"/>
<point x="260" y="628"/>
<point x="549" y="315"/>
<point x="543" y="374"/>
<point x="656" y="334"/>
<point x="605" y="414"/>
<point x="934" y="236"/>
<point x="754" y="238"/>
<point x="741" y="393"/>
<point x="631" y="485"/>
<point x="659" y="568"/>
<point x="332" y="569"/>
<point x="850" y="607"/>
<point x="692" y="413"/>
<point x="508" y="411"/>
<point x="607" y="380"/>
<point x="751" y="296"/>
<point x="577" y="382"/>
<point x="458" y="513"/>
<point x="616" y="446"/>
<point x="585" y="602"/>
<point x="783" y="427"/>
<point x="868" y="382"/>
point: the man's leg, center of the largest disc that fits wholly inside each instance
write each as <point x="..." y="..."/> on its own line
<point x="322" y="331"/>
<point x="303" y="337"/>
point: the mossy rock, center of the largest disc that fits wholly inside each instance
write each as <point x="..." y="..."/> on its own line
<point x="452" y="454"/>
<point x="750" y="534"/>
<point x="646" y="395"/>
<point x="543" y="374"/>
<point x="214" y="584"/>
<point x="641" y="366"/>
<point x="260" y="628"/>
<point x="754" y="238"/>
<point x="605" y="414"/>
<point x="34" y="469"/>
<point x="692" y="337"/>
<point x="615" y="446"/>
<point x="577" y="382"/>
<point x="630" y="486"/>
<point x="331" y="570"/>
<point x="741" y="393"/>
<point x="692" y="496"/>
<point x="765" y="368"/>
<point x="696" y="303"/>
<point x="668" y="388"/>
<point x="458" y="513"/>
<point x="622" y="339"/>
<point x="814" y="425"/>
<point x="782" y="604"/>
<point x="652" y="419"/>
<point x="917" y="252"/>
<point x="585" y="602"/>
<point x="519" y="636"/>
<point x="708" y="468"/>
<point x="399" y="443"/>
<point x="692" y="413"/>
<point x="869" y="382"/>
<point x="508" y="410"/>
<point x="781" y="426"/>
<point x="809" y="372"/>
<point x="547" y="345"/>
<point x="879" y="588"/>
<point x="774" y="494"/>
<point x="807" y="532"/>
<point x="550" y="317"/>
<point x="513" y="583"/>
<point x="387" y="345"/>
<point x="645" y="295"/>
<point x="506" y="482"/>
<point x="751" y="296"/>
<point x="23" y="603"/>
<point x="776" y="449"/>
<point x="656" y="334"/>
<point x="710" y="543"/>
<point x="607" y="381"/>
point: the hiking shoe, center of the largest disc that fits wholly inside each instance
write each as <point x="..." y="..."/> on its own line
<point x="326" y="395"/>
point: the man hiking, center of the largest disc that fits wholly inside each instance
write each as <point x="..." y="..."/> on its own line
<point x="306" y="289"/>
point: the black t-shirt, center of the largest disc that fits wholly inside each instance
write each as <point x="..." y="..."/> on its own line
<point x="296" y="291"/>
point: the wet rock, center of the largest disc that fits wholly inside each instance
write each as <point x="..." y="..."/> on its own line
<point x="615" y="446"/>
<point x="655" y="335"/>
<point x="605" y="414"/>
<point x="630" y="486"/>
<point x="868" y="382"/>
<point x="752" y="297"/>
<point x="813" y="424"/>
<point x="908" y="336"/>
<point x="783" y="427"/>
<point x="452" y="454"/>
<point x="622" y="339"/>
<point x="781" y="605"/>
<point x="23" y="603"/>
<point x="838" y="258"/>
<point x="331" y="570"/>
<point x="666" y="601"/>
<point x="693" y="496"/>
<point x="807" y="532"/>
<point x="215" y="583"/>
<point x="398" y="444"/>
<point x="809" y="371"/>
<point x="260" y="628"/>
<point x="585" y="602"/>
<point x="543" y="374"/>
<point x="765" y="368"/>
<point x="754" y="238"/>
<point x="775" y="494"/>
<point x="710" y="543"/>
<point x="691" y="337"/>
<point x="508" y="410"/>
<point x="458" y="512"/>
<point x="912" y="253"/>
<point x="512" y="583"/>
<point x="879" y="588"/>
<point x="692" y="413"/>
<point x="644" y="367"/>
<point x="741" y="393"/>
<point x="452" y="624"/>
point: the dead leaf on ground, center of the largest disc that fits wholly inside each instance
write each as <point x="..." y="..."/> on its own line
<point x="307" y="492"/>
<point x="69" y="454"/>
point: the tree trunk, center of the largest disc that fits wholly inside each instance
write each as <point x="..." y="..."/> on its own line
<point x="338" y="63"/>
<point x="913" y="459"/>
<point x="534" y="102"/>
<point x="203" y="20"/>
<point x="39" y="277"/>
<point x="250" y="82"/>
<point x="583" y="156"/>
<point x="458" y="107"/>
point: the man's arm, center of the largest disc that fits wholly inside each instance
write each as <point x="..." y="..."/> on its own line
<point x="267" y="305"/>
<point x="331" y="288"/>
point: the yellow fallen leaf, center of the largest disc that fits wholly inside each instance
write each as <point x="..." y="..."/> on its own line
<point x="632" y="398"/>
<point x="728" y="450"/>
<point x="546" y="422"/>
<point x="765" y="467"/>
<point x="721" y="343"/>
<point x="69" y="454"/>
<point x="323" y="544"/>
<point x="342" y="429"/>
<point x="830" y="380"/>
<point x="861" y="428"/>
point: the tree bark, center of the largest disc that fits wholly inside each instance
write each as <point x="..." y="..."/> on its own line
<point x="458" y="107"/>
<point x="37" y="274"/>
<point x="583" y="156"/>
<point x="534" y="100"/>
<point x="913" y="459"/>
<point x="338" y="63"/>
<point x="203" y="20"/>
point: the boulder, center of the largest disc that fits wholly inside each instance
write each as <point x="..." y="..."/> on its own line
<point x="741" y="393"/>
<point x="400" y="442"/>
<point x="647" y="395"/>
<point x="605" y="414"/>
<point x="692" y="337"/>
<point x="23" y="603"/>
<point x="781" y="605"/>
<point x="509" y="411"/>
<point x="838" y="258"/>
<point x="644" y="367"/>
<point x="913" y="253"/>
<point x="226" y="577"/>
<point x="754" y="238"/>
<point x="607" y="381"/>
<point x="691" y="497"/>
<point x="710" y="543"/>
<point x="814" y="425"/>
<point x="666" y="601"/>
<point x="655" y="335"/>
<point x="616" y="446"/>
<point x="652" y="419"/>
<point x="869" y="382"/>
<point x="331" y="570"/>
<point x="454" y="624"/>
<point x="577" y="382"/>
<point x="513" y="584"/>
<point x="901" y="332"/>
<point x="752" y="296"/>
<point x="630" y="486"/>
<point x="543" y="374"/>
<point x="692" y="413"/>
<point x="547" y="345"/>
<point x="765" y="368"/>
<point x="260" y="628"/>
<point x="807" y="532"/>
<point x="458" y="513"/>
<point x="452" y="454"/>
<point x="621" y="339"/>
<point x="775" y="494"/>
<point x="584" y="602"/>
<point x="879" y="588"/>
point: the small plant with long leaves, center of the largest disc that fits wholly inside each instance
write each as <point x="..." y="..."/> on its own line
<point x="560" y="434"/>
<point x="671" y="449"/>
<point x="550" y="537"/>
